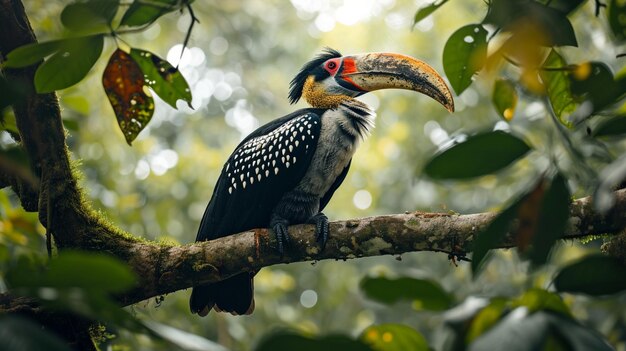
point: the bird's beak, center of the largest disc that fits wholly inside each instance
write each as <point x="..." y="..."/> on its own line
<point x="374" y="71"/>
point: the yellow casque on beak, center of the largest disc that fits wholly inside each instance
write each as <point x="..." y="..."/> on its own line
<point x="374" y="71"/>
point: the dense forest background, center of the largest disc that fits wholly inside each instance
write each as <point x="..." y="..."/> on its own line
<point x="241" y="56"/>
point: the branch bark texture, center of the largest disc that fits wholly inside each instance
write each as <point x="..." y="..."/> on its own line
<point x="167" y="269"/>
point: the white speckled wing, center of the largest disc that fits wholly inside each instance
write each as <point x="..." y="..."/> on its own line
<point x="266" y="157"/>
<point x="258" y="173"/>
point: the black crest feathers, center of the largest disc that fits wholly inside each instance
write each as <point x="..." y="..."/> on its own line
<point x="297" y="83"/>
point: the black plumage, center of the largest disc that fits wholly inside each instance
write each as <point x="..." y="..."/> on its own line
<point x="264" y="166"/>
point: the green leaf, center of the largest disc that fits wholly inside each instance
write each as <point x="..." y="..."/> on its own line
<point x="542" y="330"/>
<point x="541" y="300"/>
<point x="19" y="333"/>
<point x="592" y="275"/>
<point x="464" y="54"/>
<point x="551" y="22"/>
<point x="394" y="337"/>
<point x="142" y="12"/>
<point x="69" y="65"/>
<point x="616" y="13"/>
<point x="492" y="236"/>
<point x="89" y="15"/>
<point x="289" y="341"/>
<point x="564" y="6"/>
<point x="610" y="127"/>
<point x="427" y="11"/>
<point x="553" y="217"/>
<point x="557" y="26"/>
<point x="485" y="319"/>
<point x="594" y="81"/>
<point x="163" y="78"/>
<point x="504" y="98"/>
<point x="80" y="282"/>
<point x="8" y="123"/>
<point x="477" y="156"/>
<point x="557" y="85"/>
<point x="71" y="124"/>
<point x="425" y="294"/>
<point x="32" y="53"/>
<point x="90" y="271"/>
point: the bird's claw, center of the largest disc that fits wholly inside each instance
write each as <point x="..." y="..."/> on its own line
<point x="322" y="229"/>
<point x="282" y="235"/>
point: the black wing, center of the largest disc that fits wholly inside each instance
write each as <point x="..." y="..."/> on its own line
<point x="267" y="164"/>
<point x="329" y="194"/>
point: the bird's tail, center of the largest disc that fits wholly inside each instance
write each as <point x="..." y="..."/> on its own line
<point x="234" y="295"/>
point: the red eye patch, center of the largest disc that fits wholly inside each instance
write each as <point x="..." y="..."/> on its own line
<point x="332" y="65"/>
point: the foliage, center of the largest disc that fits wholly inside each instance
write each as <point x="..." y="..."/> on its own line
<point x="522" y="54"/>
<point x="126" y="78"/>
<point x="426" y="294"/>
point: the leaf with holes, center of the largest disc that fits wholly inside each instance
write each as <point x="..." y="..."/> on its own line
<point x="477" y="156"/>
<point x="427" y="11"/>
<point x="163" y="78"/>
<point x="504" y="98"/>
<point x="425" y="294"/>
<point x="616" y="12"/>
<point x="69" y="65"/>
<point x="592" y="275"/>
<point x="394" y="337"/>
<point x="464" y="54"/>
<point x="90" y="15"/>
<point x="555" y="78"/>
<point x="125" y="86"/>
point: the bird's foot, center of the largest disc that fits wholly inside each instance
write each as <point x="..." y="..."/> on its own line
<point x="457" y="253"/>
<point x="279" y="225"/>
<point x="322" y="229"/>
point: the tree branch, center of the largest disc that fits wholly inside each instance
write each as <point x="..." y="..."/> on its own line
<point x="164" y="269"/>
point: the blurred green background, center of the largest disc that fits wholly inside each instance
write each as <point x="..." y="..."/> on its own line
<point x="242" y="56"/>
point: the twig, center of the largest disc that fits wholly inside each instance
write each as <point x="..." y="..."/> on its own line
<point x="599" y="5"/>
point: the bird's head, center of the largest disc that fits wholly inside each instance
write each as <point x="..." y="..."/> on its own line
<point x="330" y="78"/>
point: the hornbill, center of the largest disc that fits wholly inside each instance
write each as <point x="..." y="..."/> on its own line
<point x="286" y="171"/>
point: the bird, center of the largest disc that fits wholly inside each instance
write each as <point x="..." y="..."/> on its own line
<point x="286" y="171"/>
